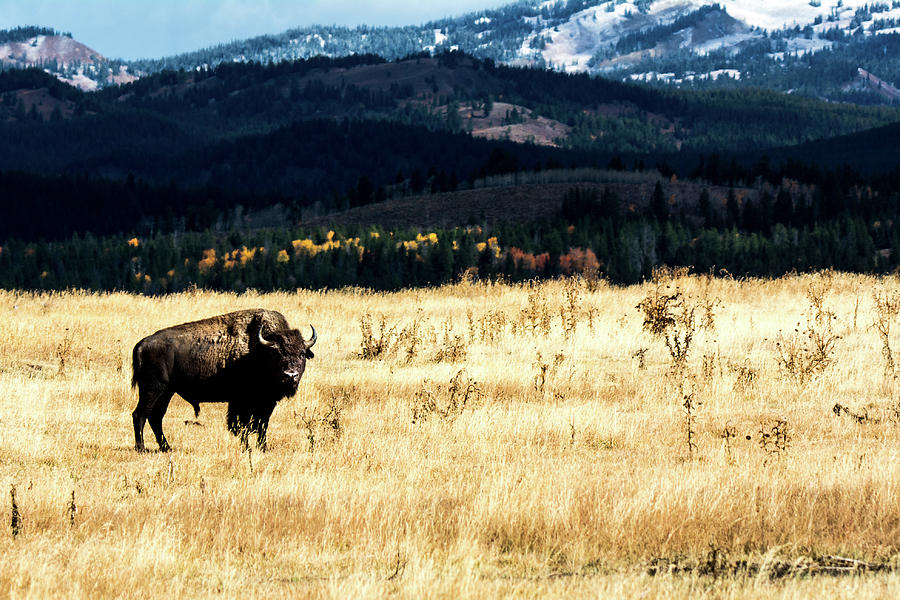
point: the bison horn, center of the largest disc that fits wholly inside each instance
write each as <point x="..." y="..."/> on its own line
<point x="312" y="340"/>
<point x="263" y="341"/>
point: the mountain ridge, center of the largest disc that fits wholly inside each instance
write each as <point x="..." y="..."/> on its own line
<point x="666" y="42"/>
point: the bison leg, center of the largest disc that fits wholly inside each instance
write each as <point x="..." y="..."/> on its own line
<point x="261" y="425"/>
<point x="156" y="418"/>
<point x="149" y="394"/>
<point x="196" y="407"/>
<point x="239" y="422"/>
<point x="138" y="418"/>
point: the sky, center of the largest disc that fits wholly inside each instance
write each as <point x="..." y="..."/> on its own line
<point x="133" y="29"/>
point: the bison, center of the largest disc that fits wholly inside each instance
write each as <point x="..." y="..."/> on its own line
<point x="250" y="359"/>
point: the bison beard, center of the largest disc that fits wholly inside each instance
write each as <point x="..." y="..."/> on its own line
<point x="250" y="359"/>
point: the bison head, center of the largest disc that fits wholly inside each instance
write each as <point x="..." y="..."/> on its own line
<point x="284" y="354"/>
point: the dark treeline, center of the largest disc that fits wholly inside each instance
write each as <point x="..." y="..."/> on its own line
<point x="25" y="33"/>
<point x="33" y="79"/>
<point x="231" y="76"/>
<point x="376" y="166"/>
<point x="622" y="252"/>
<point x="36" y="207"/>
<point x="775" y="230"/>
<point x="327" y="165"/>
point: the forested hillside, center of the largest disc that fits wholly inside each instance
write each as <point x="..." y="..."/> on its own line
<point x="240" y="176"/>
<point x="262" y="129"/>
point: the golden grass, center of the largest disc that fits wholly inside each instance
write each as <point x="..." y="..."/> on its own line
<point x="573" y="490"/>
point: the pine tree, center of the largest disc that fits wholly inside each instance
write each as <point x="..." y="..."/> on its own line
<point x="659" y="207"/>
<point x="705" y="208"/>
<point x="783" y="211"/>
<point x="732" y="210"/>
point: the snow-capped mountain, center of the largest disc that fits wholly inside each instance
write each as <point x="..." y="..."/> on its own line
<point x="57" y="53"/>
<point x="811" y="46"/>
<point x="592" y="39"/>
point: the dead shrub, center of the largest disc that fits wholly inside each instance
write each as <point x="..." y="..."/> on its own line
<point x="708" y="366"/>
<point x="540" y="378"/>
<point x="535" y="316"/>
<point x="640" y="355"/>
<point x="728" y="434"/>
<point x="64" y="353"/>
<point x="707" y="303"/>
<point x="887" y="308"/>
<point x="545" y="371"/>
<point x="571" y="307"/>
<point x="15" y="521"/>
<point x="810" y="349"/>
<point x="325" y="423"/>
<point x="672" y="316"/>
<point x="445" y="403"/>
<point x="410" y="337"/>
<point x="488" y="327"/>
<point x="452" y="348"/>
<point x="690" y="404"/>
<point x="72" y="510"/>
<point x="675" y="318"/>
<point x="775" y="437"/>
<point x="372" y="346"/>
<point x="745" y="377"/>
<point x="860" y="417"/>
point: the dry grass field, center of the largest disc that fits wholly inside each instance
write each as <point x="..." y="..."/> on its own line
<point x="491" y="440"/>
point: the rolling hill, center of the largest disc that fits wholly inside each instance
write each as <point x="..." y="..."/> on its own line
<point x="315" y="136"/>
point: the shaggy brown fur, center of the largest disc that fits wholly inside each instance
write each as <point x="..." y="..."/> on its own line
<point x="250" y="359"/>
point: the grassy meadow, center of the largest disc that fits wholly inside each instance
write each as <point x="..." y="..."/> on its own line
<point x="475" y="440"/>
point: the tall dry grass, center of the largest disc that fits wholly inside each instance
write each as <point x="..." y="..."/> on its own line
<point x="565" y="472"/>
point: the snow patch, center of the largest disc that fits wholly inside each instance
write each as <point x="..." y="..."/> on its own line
<point x="779" y="14"/>
<point x="732" y="73"/>
<point x="722" y="42"/>
<point x="672" y="79"/>
<point x="801" y="46"/>
<point x="81" y="81"/>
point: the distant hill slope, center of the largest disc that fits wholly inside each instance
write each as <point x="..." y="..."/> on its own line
<point x="872" y="151"/>
<point x="322" y="135"/>
<point x="168" y="124"/>
<point x="299" y="128"/>
<point x="526" y="198"/>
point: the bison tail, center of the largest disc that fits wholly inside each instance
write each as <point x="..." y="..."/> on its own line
<point x="135" y="364"/>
